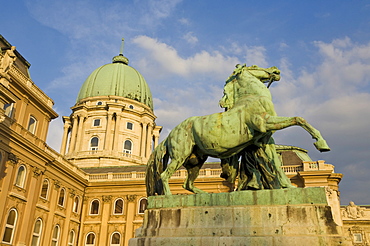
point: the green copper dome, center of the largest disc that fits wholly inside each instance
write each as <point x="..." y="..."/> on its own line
<point x="117" y="79"/>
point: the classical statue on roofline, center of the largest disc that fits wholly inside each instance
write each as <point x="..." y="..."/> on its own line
<point x="243" y="131"/>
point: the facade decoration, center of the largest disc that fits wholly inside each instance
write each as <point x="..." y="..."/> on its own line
<point x="353" y="211"/>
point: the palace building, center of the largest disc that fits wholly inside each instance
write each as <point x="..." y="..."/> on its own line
<point x="93" y="191"/>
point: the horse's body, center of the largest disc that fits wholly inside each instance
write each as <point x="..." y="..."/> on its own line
<point x="250" y="119"/>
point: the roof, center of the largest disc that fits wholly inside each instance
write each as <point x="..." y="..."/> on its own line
<point x="117" y="79"/>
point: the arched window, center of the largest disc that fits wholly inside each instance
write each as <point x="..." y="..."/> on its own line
<point x="11" y="222"/>
<point x="37" y="229"/>
<point x="94" y="207"/>
<point x="130" y="126"/>
<point x="21" y="176"/>
<point x="76" y="202"/>
<point x="62" y="195"/>
<point x="55" y="236"/>
<point x="118" y="206"/>
<point x="32" y="124"/>
<point x="143" y="203"/>
<point x="94" y="143"/>
<point x="71" y="238"/>
<point x="115" y="239"/>
<point x="45" y="189"/>
<point x="90" y="239"/>
<point x="127" y="147"/>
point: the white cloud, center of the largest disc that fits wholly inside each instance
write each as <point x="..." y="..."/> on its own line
<point x="177" y="105"/>
<point x="165" y="60"/>
<point x="184" y="21"/>
<point x="257" y="56"/>
<point x="190" y="38"/>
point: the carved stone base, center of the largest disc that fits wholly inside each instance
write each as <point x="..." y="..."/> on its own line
<point x="266" y="217"/>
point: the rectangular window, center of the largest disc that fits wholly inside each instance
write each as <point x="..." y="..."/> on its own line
<point x="97" y="122"/>
<point x="357" y="237"/>
<point x="9" y="109"/>
<point x="130" y="126"/>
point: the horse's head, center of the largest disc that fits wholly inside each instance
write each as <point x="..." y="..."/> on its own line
<point x="265" y="75"/>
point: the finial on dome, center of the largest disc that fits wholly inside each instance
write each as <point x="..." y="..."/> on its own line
<point x="122" y="45"/>
<point x="120" y="58"/>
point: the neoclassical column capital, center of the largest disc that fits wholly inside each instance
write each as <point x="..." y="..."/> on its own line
<point x="12" y="159"/>
<point x="66" y="127"/>
<point x="107" y="198"/>
<point x="131" y="198"/>
<point x="37" y="172"/>
<point x="57" y="184"/>
<point x="72" y="192"/>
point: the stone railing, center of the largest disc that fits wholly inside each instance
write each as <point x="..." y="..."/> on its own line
<point x="292" y="169"/>
<point x="179" y="174"/>
<point x="17" y="74"/>
<point x="104" y="153"/>
<point x="309" y="166"/>
<point x="209" y="173"/>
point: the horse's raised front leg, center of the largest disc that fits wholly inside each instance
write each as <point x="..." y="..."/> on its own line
<point x="274" y="123"/>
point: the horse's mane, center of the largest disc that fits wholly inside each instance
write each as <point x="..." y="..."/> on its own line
<point x="239" y="68"/>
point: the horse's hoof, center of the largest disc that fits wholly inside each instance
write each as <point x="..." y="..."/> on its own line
<point x="322" y="146"/>
<point x="199" y="191"/>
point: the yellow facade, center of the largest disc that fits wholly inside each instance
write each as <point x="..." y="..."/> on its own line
<point x="95" y="194"/>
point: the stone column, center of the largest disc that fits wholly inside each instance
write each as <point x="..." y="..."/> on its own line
<point x="149" y="140"/>
<point x="156" y="140"/>
<point x="54" y="189"/>
<point x="84" y="213"/>
<point x="71" y="147"/>
<point x="65" y="137"/>
<point x="143" y="140"/>
<point x="10" y="161"/>
<point x="108" y="134"/>
<point x="130" y="215"/>
<point x="22" y="111"/>
<point x="105" y="212"/>
<point x="29" y="208"/>
<point x="80" y="133"/>
<point x="44" y="127"/>
<point x="156" y="132"/>
<point x="68" y="204"/>
<point x="116" y="133"/>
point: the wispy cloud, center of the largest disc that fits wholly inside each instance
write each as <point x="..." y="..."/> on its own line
<point x="190" y="38"/>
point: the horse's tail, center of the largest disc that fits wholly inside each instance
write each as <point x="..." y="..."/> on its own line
<point x="154" y="169"/>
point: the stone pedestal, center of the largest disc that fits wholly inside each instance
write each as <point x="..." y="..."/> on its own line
<point x="286" y="217"/>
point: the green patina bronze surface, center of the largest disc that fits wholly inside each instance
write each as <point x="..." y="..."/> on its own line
<point x="312" y="195"/>
<point x="117" y="79"/>
<point x="244" y="129"/>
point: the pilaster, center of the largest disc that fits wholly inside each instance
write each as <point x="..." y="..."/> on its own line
<point x="71" y="147"/>
<point x="143" y="139"/>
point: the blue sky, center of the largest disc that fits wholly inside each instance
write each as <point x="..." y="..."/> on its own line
<point x="186" y="50"/>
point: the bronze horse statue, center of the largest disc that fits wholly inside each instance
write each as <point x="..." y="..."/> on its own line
<point x="221" y="135"/>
